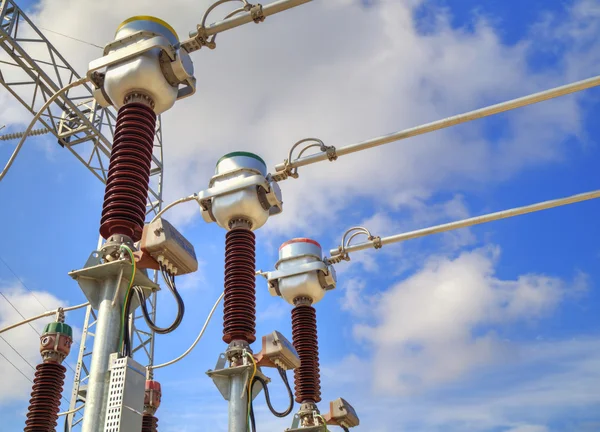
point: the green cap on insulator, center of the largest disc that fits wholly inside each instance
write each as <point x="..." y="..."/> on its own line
<point x="57" y="327"/>
<point x="242" y="154"/>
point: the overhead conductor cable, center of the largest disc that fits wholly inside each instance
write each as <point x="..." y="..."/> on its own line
<point x="288" y="165"/>
<point x="345" y="249"/>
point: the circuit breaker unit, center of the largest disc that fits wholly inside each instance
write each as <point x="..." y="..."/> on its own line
<point x="125" y="395"/>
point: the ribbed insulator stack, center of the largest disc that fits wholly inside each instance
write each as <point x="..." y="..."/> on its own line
<point x="149" y="423"/>
<point x="307" y="378"/>
<point x="18" y="135"/>
<point x="239" y="320"/>
<point x="124" y="209"/>
<point x="152" y="398"/>
<point x="55" y="345"/>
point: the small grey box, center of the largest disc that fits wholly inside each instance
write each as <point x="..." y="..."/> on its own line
<point x="125" y="406"/>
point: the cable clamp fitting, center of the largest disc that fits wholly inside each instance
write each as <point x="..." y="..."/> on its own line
<point x="376" y="242"/>
<point x="257" y="13"/>
<point x="60" y="315"/>
<point x="331" y="152"/>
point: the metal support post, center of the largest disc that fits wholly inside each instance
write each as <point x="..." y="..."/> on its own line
<point x="106" y="342"/>
<point x="238" y="404"/>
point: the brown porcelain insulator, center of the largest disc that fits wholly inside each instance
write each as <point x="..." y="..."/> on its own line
<point x="239" y="319"/>
<point x="44" y="404"/>
<point x="149" y="423"/>
<point x="124" y="209"/>
<point x="307" y="378"/>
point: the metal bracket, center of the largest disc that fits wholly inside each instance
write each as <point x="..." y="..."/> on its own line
<point x="131" y="51"/>
<point x="211" y="192"/>
<point x="296" y="426"/>
<point x="257" y="13"/>
<point x="274" y="276"/>
<point x="376" y="242"/>
<point x="331" y="153"/>
<point x="222" y="374"/>
<point x="91" y="278"/>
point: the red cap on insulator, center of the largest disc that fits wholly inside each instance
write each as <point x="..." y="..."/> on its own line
<point x="152" y="394"/>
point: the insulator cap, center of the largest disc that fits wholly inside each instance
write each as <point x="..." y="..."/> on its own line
<point x="152" y="396"/>
<point x="55" y="342"/>
<point x="246" y="204"/>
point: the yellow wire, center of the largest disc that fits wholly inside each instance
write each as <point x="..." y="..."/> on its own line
<point x="324" y="421"/>
<point x="250" y="386"/>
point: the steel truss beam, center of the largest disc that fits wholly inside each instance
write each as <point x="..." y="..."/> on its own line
<point x="32" y="70"/>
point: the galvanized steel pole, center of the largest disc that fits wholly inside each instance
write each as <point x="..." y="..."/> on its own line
<point x="106" y="341"/>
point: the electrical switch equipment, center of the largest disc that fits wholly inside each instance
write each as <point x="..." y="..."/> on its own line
<point x="169" y="247"/>
<point x="342" y="414"/>
<point x="279" y="351"/>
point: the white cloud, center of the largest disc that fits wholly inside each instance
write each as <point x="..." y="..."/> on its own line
<point x="361" y="71"/>
<point x="529" y="428"/>
<point x="433" y="327"/>
<point x="24" y="339"/>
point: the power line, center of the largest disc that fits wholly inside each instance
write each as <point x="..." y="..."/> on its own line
<point x="71" y="37"/>
<point x="13" y="365"/>
<point x="17" y="310"/>
<point x="18" y="353"/>
<point x="23" y="283"/>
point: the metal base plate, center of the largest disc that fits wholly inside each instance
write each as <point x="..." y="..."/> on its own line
<point x="308" y="429"/>
<point x="91" y="278"/>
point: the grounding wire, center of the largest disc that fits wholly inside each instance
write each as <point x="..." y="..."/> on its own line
<point x="50" y="100"/>
<point x="189" y="350"/>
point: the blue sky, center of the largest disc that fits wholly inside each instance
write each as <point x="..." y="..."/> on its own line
<point x="491" y="329"/>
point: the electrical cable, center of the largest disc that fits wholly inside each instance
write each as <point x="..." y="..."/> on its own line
<point x="189" y="350"/>
<point x="125" y="308"/>
<point x="169" y="281"/>
<point x="50" y="100"/>
<point x="443" y="123"/>
<point x="173" y="204"/>
<point x="252" y="418"/>
<point x="22" y="283"/>
<point x="45" y="314"/>
<point x="268" y="397"/>
<point x="13" y="365"/>
<point x="127" y="349"/>
<point x="464" y="223"/>
<point x="250" y="384"/>
<point x="71" y="37"/>
<point x="73" y="411"/>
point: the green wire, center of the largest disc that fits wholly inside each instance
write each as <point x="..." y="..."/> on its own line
<point x="123" y="312"/>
